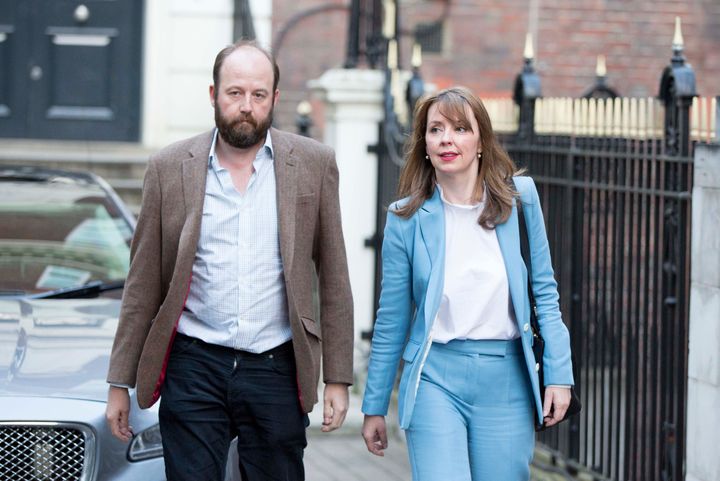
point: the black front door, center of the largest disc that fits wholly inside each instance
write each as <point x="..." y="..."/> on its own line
<point x="70" y="69"/>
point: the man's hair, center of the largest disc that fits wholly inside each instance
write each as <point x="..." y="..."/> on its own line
<point x="224" y="53"/>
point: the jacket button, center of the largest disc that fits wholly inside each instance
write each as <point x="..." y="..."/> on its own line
<point x="526" y="327"/>
<point x="537" y="367"/>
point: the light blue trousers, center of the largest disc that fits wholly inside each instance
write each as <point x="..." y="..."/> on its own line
<point x="473" y="415"/>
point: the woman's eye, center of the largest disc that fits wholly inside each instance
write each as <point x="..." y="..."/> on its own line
<point x="461" y="129"/>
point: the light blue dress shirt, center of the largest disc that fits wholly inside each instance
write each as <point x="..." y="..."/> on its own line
<point x="237" y="293"/>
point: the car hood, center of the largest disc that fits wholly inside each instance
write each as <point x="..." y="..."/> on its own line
<point x="56" y="347"/>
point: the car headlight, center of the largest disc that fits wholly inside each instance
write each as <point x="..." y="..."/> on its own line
<point x="147" y="444"/>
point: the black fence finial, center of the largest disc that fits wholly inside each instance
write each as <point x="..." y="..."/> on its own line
<point x="677" y="89"/>
<point x="303" y="121"/>
<point x="415" y="86"/>
<point x="600" y="89"/>
<point x="527" y="90"/>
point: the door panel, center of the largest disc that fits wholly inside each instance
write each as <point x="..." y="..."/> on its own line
<point x="13" y="63"/>
<point x="83" y="69"/>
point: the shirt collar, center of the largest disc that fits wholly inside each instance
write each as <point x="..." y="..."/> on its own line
<point x="265" y="152"/>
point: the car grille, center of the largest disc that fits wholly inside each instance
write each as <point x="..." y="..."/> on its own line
<point x="43" y="452"/>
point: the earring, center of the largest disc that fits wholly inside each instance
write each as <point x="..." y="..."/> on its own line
<point x="427" y="157"/>
<point x="479" y="155"/>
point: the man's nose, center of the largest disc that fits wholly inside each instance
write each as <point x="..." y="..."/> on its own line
<point x="245" y="105"/>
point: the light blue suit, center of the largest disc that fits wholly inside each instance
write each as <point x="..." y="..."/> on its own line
<point x="413" y="274"/>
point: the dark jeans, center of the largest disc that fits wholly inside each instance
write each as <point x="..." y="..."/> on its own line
<point x="212" y="394"/>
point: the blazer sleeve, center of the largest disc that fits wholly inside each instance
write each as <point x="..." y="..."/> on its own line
<point x="393" y="319"/>
<point x="557" y="363"/>
<point x="336" y="303"/>
<point x="142" y="293"/>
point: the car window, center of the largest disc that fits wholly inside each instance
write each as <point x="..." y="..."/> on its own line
<point x="59" y="235"/>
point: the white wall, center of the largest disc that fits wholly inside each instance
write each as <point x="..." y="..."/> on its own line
<point x="703" y="411"/>
<point x="182" y="38"/>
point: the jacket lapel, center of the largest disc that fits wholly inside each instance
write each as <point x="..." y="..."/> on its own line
<point x="286" y="187"/>
<point x="194" y="178"/>
<point x="432" y="228"/>
<point x="509" y="239"/>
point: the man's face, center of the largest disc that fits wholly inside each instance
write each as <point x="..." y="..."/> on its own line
<point x="244" y="98"/>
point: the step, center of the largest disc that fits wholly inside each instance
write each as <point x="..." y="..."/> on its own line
<point x="106" y="159"/>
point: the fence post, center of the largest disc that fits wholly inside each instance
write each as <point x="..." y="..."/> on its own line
<point x="677" y="89"/>
<point x="526" y="91"/>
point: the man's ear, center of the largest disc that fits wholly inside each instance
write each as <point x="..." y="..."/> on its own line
<point x="212" y="95"/>
<point x="276" y="96"/>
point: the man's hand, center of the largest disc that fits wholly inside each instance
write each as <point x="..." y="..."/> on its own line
<point x="374" y="433"/>
<point x="556" y="402"/>
<point x="335" y="406"/>
<point x="118" y="412"/>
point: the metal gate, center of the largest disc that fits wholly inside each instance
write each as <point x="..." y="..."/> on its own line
<point x="615" y="179"/>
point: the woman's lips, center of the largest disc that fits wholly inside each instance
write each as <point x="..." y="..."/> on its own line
<point x="449" y="156"/>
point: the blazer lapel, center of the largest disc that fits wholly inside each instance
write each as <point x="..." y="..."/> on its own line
<point x="509" y="239"/>
<point x="194" y="177"/>
<point x="432" y="227"/>
<point x="286" y="187"/>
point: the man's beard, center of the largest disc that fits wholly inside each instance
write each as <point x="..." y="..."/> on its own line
<point x="244" y="131"/>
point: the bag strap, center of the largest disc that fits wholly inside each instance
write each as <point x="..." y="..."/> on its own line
<point x="525" y="253"/>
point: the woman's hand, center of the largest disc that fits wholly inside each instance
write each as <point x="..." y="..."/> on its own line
<point x="556" y="402"/>
<point x="374" y="433"/>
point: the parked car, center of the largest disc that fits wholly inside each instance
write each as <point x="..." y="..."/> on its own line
<point x="64" y="255"/>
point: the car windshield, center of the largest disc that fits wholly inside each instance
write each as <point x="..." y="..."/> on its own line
<point x="59" y="234"/>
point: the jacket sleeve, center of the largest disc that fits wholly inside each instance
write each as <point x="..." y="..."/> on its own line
<point x="393" y="319"/>
<point x="142" y="294"/>
<point x="336" y="303"/>
<point x="557" y="363"/>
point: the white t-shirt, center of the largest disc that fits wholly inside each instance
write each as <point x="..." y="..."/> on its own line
<point x="476" y="299"/>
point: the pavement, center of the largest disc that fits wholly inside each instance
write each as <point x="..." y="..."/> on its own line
<point x="342" y="456"/>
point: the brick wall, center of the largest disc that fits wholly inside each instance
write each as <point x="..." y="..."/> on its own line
<point x="484" y="42"/>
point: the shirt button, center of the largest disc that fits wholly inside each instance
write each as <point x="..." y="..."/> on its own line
<point x="526" y="327"/>
<point x="537" y="367"/>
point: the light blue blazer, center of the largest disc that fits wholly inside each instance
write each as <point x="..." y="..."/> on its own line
<point x="413" y="262"/>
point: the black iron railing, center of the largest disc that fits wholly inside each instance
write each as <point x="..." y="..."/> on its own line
<point x="618" y="213"/>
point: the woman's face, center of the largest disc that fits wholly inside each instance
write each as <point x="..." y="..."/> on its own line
<point x="452" y="144"/>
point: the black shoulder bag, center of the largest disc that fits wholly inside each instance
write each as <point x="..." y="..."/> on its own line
<point x="538" y="341"/>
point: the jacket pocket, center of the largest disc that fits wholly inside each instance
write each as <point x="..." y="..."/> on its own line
<point x="411" y="350"/>
<point x="311" y="327"/>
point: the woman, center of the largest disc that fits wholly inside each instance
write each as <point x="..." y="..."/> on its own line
<point x="454" y="306"/>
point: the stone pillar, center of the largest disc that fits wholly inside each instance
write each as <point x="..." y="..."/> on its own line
<point x="353" y="109"/>
<point x="703" y="408"/>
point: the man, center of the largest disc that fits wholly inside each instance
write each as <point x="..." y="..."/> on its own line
<point x="217" y="315"/>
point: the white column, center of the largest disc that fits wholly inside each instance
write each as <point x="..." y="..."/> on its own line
<point x="353" y="109"/>
<point x="182" y="38"/>
<point x="703" y="408"/>
<point x="262" y="21"/>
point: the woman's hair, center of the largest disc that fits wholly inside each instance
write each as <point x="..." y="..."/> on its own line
<point x="495" y="171"/>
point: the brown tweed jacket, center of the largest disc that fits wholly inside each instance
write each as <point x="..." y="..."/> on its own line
<point x="163" y="251"/>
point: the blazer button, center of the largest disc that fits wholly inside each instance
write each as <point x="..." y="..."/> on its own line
<point x="537" y="367"/>
<point x="526" y="327"/>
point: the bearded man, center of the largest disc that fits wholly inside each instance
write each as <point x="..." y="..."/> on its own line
<point x="217" y="318"/>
